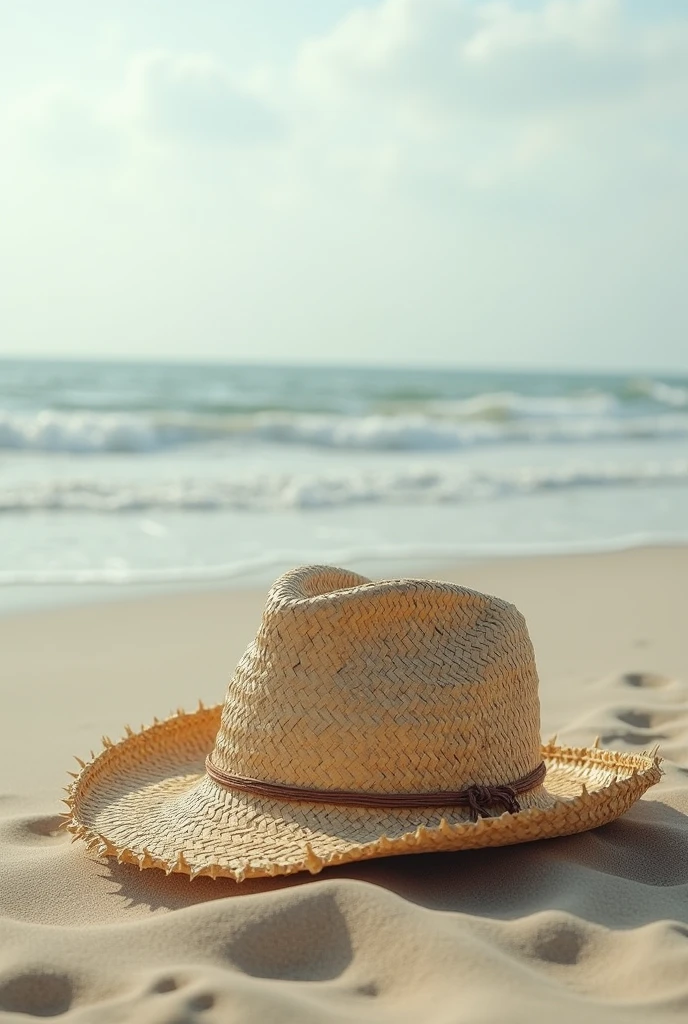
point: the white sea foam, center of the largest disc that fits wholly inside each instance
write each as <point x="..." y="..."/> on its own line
<point x="54" y="431"/>
<point x="294" y="491"/>
<point x="664" y="394"/>
<point x="90" y="432"/>
<point x="504" y="405"/>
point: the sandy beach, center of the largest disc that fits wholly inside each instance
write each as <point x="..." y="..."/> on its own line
<point x="594" y="925"/>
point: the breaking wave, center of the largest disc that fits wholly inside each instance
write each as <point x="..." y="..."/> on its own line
<point x="478" y="421"/>
<point x="293" y="491"/>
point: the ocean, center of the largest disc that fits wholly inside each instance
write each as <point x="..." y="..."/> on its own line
<point x="130" y="475"/>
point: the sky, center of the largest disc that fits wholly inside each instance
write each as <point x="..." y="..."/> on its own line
<point x="449" y="182"/>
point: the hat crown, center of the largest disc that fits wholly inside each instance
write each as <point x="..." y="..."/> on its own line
<point x="401" y="686"/>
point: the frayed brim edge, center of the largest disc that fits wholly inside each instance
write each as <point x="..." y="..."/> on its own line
<point x="567" y="817"/>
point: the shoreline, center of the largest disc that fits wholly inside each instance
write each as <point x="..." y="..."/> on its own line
<point x="374" y="563"/>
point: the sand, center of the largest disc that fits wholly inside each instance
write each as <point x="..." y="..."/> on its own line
<point x="590" y="927"/>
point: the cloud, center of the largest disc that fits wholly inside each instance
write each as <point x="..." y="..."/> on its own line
<point x="490" y="58"/>
<point x="491" y="92"/>
<point x="478" y="95"/>
<point x="192" y="99"/>
<point x="60" y="123"/>
<point x="188" y="101"/>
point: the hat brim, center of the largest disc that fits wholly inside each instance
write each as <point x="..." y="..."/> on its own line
<point x="147" y="801"/>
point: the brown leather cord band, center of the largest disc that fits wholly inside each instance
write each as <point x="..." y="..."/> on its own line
<point x="479" y="799"/>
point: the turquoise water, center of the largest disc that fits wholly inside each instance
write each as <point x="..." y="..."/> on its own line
<point x="53" y="406"/>
<point x="123" y="474"/>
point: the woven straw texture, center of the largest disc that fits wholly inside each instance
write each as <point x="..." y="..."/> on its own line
<point x="401" y="686"/>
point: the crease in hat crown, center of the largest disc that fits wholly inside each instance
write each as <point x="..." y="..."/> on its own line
<point x="401" y="686"/>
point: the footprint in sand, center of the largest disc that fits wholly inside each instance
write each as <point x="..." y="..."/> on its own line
<point x="637" y="719"/>
<point x="168" y="983"/>
<point x="645" y="680"/>
<point x="34" y="831"/>
<point x="561" y="943"/>
<point x="37" y="993"/>
<point x="639" y="726"/>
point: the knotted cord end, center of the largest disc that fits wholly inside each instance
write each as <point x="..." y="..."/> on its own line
<point x="481" y="798"/>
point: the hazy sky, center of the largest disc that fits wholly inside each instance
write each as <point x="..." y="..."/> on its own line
<point x="408" y="181"/>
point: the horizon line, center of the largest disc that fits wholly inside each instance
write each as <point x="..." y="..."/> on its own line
<point x="217" y="361"/>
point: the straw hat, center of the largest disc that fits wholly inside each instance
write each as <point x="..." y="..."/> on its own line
<point x="365" y="720"/>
